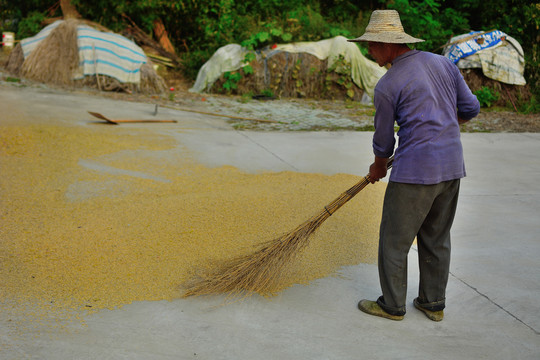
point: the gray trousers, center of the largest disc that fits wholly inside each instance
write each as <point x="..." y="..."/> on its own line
<point x="425" y="212"/>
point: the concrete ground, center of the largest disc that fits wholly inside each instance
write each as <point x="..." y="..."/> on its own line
<point x="492" y="311"/>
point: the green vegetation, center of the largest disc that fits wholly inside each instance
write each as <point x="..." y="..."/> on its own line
<point x="343" y="69"/>
<point x="198" y="28"/>
<point x="486" y="96"/>
<point x="12" y="79"/>
<point x="530" y="107"/>
<point x="231" y="80"/>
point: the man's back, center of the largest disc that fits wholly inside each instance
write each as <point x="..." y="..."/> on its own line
<point x="422" y="92"/>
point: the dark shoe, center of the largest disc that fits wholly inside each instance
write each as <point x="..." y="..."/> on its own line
<point x="432" y="315"/>
<point x="372" y="308"/>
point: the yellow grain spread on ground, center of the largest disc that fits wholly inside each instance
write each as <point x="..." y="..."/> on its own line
<point x="82" y="227"/>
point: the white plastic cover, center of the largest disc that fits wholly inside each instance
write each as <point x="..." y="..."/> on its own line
<point x="364" y="72"/>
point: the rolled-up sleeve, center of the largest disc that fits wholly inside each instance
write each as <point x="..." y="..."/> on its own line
<point x="383" y="138"/>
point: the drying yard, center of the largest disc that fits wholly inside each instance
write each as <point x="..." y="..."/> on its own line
<point x="102" y="225"/>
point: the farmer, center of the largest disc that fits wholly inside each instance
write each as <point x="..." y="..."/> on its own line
<point x="427" y="97"/>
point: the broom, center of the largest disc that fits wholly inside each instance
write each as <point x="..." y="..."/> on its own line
<point x="261" y="271"/>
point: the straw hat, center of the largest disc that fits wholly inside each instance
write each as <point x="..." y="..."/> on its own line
<point x="385" y="26"/>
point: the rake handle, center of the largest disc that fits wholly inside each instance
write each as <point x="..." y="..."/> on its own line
<point x="144" y="121"/>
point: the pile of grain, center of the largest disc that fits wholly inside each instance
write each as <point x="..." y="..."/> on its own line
<point x="82" y="227"/>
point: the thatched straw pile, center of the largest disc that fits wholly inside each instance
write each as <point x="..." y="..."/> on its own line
<point x="293" y="75"/>
<point x="56" y="58"/>
<point x="15" y="60"/>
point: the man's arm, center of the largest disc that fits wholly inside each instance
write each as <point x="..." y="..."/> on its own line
<point x="467" y="103"/>
<point x="383" y="138"/>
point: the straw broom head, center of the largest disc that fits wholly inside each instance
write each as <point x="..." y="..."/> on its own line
<point x="262" y="271"/>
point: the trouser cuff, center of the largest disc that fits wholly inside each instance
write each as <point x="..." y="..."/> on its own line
<point x="398" y="311"/>
<point x="432" y="306"/>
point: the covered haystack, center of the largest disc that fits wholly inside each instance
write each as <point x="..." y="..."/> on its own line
<point x="332" y="68"/>
<point x="80" y="53"/>
<point x="290" y="75"/>
<point x="493" y="60"/>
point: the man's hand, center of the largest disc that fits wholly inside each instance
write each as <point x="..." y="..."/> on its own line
<point x="378" y="169"/>
<point x="461" y="121"/>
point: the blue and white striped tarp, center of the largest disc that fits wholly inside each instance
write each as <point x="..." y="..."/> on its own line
<point x="104" y="53"/>
<point x="109" y="54"/>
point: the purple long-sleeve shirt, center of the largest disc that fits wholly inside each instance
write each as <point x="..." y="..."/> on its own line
<point x="424" y="94"/>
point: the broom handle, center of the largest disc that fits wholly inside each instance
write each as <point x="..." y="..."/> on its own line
<point x="350" y="193"/>
<point x="355" y="189"/>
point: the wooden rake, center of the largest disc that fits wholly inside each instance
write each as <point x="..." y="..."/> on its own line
<point x="116" y="122"/>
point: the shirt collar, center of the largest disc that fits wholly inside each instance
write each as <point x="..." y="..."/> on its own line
<point x="405" y="55"/>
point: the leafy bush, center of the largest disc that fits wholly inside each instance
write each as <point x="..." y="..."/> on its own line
<point x="231" y="80"/>
<point x="486" y="96"/>
<point x="530" y="107"/>
<point x="425" y="20"/>
<point x="30" y="25"/>
<point x="272" y="33"/>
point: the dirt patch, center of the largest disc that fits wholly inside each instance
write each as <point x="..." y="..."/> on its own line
<point x="503" y="122"/>
<point x="493" y="121"/>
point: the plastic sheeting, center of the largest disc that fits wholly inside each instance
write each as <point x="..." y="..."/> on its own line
<point x="226" y="58"/>
<point x="503" y="60"/>
<point x="364" y="72"/>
